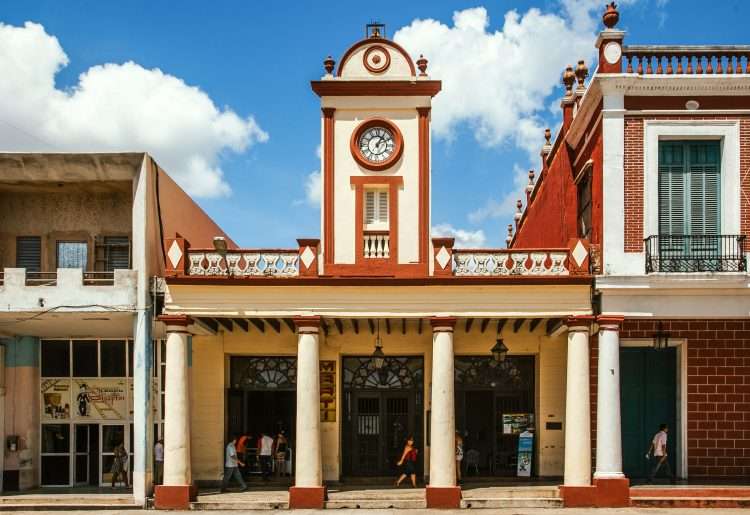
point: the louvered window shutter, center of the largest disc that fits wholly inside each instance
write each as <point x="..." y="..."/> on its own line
<point x="369" y="207"/>
<point x="383" y="207"/>
<point x="705" y="195"/>
<point x="671" y="194"/>
<point x="29" y="253"/>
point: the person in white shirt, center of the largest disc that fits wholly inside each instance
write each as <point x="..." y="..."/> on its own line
<point x="159" y="462"/>
<point x="231" y="466"/>
<point x="657" y="453"/>
<point x="265" y="455"/>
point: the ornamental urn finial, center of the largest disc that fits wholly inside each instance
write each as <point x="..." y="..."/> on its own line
<point x="568" y="78"/>
<point x="611" y="16"/>
<point x="329" y="63"/>
<point x="582" y="72"/>
<point x="422" y="65"/>
<point x="548" y="136"/>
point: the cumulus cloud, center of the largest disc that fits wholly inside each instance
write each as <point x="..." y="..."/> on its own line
<point x="464" y="238"/>
<point x="313" y="189"/>
<point x="115" y="107"/>
<point x="497" y="80"/>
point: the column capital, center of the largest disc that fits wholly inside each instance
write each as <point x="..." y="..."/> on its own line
<point x="307" y="324"/>
<point x="175" y="323"/>
<point x="423" y="111"/>
<point x="580" y="322"/>
<point x="610" y="322"/>
<point x="328" y="111"/>
<point x="444" y="324"/>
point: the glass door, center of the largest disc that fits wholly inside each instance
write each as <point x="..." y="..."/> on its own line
<point x="110" y="436"/>
<point x="82" y="454"/>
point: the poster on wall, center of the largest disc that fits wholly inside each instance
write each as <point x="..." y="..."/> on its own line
<point x="517" y="423"/>
<point x="155" y="400"/>
<point x="56" y="399"/>
<point x="328" y="391"/>
<point x="100" y="399"/>
<point x="525" y="453"/>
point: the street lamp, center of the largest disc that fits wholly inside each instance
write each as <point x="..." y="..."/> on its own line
<point x="661" y="338"/>
<point x="378" y="356"/>
<point x="499" y="350"/>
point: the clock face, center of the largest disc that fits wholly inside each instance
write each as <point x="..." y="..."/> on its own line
<point x="376" y="144"/>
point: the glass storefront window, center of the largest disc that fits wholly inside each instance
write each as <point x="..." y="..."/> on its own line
<point x="55" y="438"/>
<point x="85" y="358"/>
<point x="55" y="358"/>
<point x="112" y="358"/>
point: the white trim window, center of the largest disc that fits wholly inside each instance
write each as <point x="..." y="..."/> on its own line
<point x="376" y="209"/>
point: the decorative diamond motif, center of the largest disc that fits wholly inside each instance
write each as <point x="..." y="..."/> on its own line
<point x="174" y="254"/>
<point x="442" y="257"/>
<point x="307" y="257"/>
<point x="579" y="253"/>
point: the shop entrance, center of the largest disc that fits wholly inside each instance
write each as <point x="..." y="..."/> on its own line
<point x="494" y="404"/>
<point x="381" y="409"/>
<point x="648" y="398"/>
<point x="262" y="399"/>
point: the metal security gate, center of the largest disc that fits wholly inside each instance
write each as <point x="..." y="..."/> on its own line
<point x="382" y="408"/>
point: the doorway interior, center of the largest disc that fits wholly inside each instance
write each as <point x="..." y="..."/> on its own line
<point x="495" y="402"/>
<point x="382" y="408"/>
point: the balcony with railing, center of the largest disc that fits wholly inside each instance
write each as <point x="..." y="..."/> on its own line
<point x="683" y="253"/>
<point x="686" y="59"/>
<point x="377" y="245"/>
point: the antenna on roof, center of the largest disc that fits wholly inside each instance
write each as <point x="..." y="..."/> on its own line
<point x="375" y="29"/>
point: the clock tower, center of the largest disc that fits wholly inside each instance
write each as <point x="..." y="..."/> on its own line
<point x="375" y="153"/>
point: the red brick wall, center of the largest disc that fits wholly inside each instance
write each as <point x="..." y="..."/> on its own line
<point x="718" y="384"/>
<point x="633" y="174"/>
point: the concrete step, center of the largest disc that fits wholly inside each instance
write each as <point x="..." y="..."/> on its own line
<point x="690" y="491"/>
<point x="376" y="504"/>
<point x="239" y="505"/>
<point x="690" y="502"/>
<point x="511" y="492"/>
<point x="67" y="506"/>
<point x="511" y="502"/>
<point x="100" y="500"/>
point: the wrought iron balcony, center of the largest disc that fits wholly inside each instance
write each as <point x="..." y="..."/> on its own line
<point x="695" y="253"/>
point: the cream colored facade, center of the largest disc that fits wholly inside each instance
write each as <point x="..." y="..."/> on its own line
<point x="210" y="380"/>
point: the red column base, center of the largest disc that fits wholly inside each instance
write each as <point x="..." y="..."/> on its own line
<point x="445" y="497"/>
<point x="174" y="497"/>
<point x="307" y="497"/>
<point x="612" y="493"/>
<point x="578" y="496"/>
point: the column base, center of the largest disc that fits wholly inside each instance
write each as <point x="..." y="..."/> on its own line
<point x="307" y="497"/>
<point x="612" y="492"/>
<point x="578" y="496"/>
<point x="446" y="497"/>
<point x="174" y="497"/>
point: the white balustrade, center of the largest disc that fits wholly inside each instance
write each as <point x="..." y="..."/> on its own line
<point x="506" y="263"/>
<point x="245" y="263"/>
<point x="376" y="245"/>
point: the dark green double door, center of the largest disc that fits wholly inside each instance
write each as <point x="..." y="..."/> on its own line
<point x="648" y="397"/>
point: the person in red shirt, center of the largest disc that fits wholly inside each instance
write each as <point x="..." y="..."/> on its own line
<point x="409" y="462"/>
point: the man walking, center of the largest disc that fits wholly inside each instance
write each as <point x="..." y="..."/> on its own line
<point x="265" y="454"/>
<point x="159" y="461"/>
<point x="657" y="453"/>
<point x="231" y="469"/>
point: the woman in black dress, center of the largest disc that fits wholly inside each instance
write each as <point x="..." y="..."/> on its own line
<point x="409" y="462"/>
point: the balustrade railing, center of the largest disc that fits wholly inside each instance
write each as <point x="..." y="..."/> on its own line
<point x="41" y="278"/>
<point x="686" y="60"/>
<point x="98" y="278"/>
<point x="695" y="253"/>
<point x="503" y="262"/>
<point x="244" y="263"/>
<point x="377" y="245"/>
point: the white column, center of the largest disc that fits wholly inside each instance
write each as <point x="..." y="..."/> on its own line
<point x="608" y="428"/>
<point x="578" y="405"/>
<point x="143" y="423"/>
<point x="177" y="469"/>
<point x="309" y="470"/>
<point x="443" y="422"/>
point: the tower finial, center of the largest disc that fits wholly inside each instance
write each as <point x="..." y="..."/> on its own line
<point x="611" y="16"/>
<point x="568" y="78"/>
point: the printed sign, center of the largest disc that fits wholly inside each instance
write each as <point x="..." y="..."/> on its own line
<point x="516" y="423"/>
<point x="328" y="391"/>
<point x="525" y="453"/>
<point x="56" y="399"/>
<point x="100" y="399"/>
<point x="155" y="400"/>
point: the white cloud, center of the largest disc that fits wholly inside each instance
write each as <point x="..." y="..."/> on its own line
<point x="313" y="189"/>
<point x="497" y="80"/>
<point x="505" y="205"/>
<point x="464" y="239"/>
<point x="115" y="107"/>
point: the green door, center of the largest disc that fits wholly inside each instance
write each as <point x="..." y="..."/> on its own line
<point x="648" y="397"/>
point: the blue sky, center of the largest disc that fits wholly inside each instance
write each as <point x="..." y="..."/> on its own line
<point x="254" y="64"/>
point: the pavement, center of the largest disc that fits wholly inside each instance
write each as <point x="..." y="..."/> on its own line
<point x="510" y="511"/>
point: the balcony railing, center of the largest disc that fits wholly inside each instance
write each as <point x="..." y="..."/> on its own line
<point x="686" y="59"/>
<point x="695" y="253"/>
<point x="41" y="278"/>
<point x="503" y="262"/>
<point x="98" y="278"/>
<point x="377" y="245"/>
<point x="244" y="263"/>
